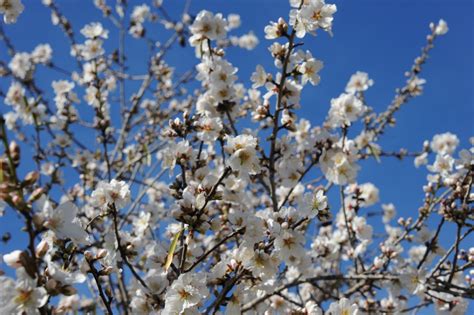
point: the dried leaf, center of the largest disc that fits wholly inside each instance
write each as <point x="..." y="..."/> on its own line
<point x="171" y="250"/>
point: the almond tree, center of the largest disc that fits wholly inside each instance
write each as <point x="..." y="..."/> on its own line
<point x="159" y="201"/>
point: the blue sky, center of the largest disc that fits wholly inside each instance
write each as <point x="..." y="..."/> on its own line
<point x="380" y="37"/>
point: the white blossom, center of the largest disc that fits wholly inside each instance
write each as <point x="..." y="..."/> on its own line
<point x="342" y="307"/>
<point x="441" y="28"/>
<point x="345" y="110"/>
<point x="21" y="296"/>
<point x="116" y="192"/>
<point x="21" y="65"/>
<point x="309" y="70"/>
<point x="359" y="82"/>
<point x="444" y="143"/>
<point x="338" y="166"/>
<point x="42" y="54"/>
<point x="186" y="293"/>
<point x="314" y="14"/>
<point x="63" y="222"/>
<point x="11" y="9"/>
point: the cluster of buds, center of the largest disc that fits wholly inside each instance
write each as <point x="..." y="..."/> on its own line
<point x="11" y="188"/>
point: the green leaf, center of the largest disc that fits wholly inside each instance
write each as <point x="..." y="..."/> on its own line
<point x="148" y="155"/>
<point x="375" y="153"/>
<point x="173" y="245"/>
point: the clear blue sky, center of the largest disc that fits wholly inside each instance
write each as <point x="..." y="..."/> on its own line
<point x="380" y="37"/>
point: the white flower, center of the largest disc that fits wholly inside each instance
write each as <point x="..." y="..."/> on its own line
<point x="235" y="301"/>
<point x="209" y="128"/>
<point x="260" y="263"/>
<point x="62" y="87"/>
<point x="441" y="28"/>
<point x="415" y="85"/>
<point x="69" y="304"/>
<point x="369" y="194"/>
<point x="243" y="154"/>
<point x="63" y="222"/>
<point x="207" y="26"/>
<point x="362" y="230"/>
<point x="22" y="296"/>
<point x="311" y="308"/>
<point x="389" y="212"/>
<point x="292" y="92"/>
<point x="64" y="277"/>
<point x="289" y="170"/>
<point x="140" y="13"/>
<point x="465" y="161"/>
<point x="141" y="223"/>
<point x="338" y="167"/>
<point x="98" y="196"/>
<point x="94" y="30"/>
<point x="314" y="203"/>
<point x="247" y="41"/>
<point x="379" y="262"/>
<point x="186" y="292"/>
<point x="275" y="29"/>
<point x="92" y="48"/>
<point x="259" y="77"/>
<point x="21" y="64"/>
<point x="445" y="143"/>
<point x="233" y="20"/>
<point x="313" y="14"/>
<point x="342" y="307"/>
<point x="180" y="151"/>
<point x="156" y="280"/>
<point x="359" y="82"/>
<point x="42" y="54"/>
<point x="414" y="280"/>
<point x="289" y="245"/>
<point x="11" y="9"/>
<point x="421" y="159"/>
<point x="15" y="95"/>
<point x="116" y="192"/>
<point x="310" y="69"/>
<point x="442" y="165"/>
<point x="13" y="259"/>
<point x="344" y="110"/>
<point x="448" y="304"/>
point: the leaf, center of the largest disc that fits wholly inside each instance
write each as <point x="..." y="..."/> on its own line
<point x="148" y="155"/>
<point x="173" y="244"/>
<point x="375" y="153"/>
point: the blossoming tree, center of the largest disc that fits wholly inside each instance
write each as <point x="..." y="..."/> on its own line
<point x="158" y="201"/>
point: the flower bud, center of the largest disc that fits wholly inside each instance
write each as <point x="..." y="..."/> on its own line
<point x="42" y="248"/>
<point x="36" y="194"/>
<point x="14" y="150"/>
<point x="31" y="178"/>
<point x="13" y="259"/>
<point x="101" y="253"/>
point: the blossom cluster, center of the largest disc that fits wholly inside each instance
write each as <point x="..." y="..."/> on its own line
<point x="197" y="192"/>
